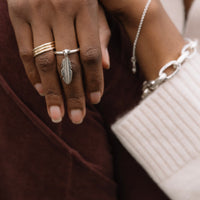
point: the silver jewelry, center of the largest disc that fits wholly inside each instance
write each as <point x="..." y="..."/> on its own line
<point x="133" y="59"/>
<point x="67" y="50"/>
<point x="187" y="52"/>
<point x="66" y="66"/>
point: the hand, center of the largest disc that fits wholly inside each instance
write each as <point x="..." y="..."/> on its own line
<point x="71" y="23"/>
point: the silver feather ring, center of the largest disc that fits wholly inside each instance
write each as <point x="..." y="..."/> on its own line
<point x="66" y="66"/>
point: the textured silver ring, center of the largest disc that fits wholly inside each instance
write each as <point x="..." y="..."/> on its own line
<point x="68" y="51"/>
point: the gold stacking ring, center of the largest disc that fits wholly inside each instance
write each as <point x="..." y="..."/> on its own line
<point x="43" y="48"/>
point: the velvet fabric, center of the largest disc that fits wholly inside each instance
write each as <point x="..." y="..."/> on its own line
<point x="42" y="160"/>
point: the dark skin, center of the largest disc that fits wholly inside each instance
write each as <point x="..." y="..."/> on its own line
<point x="156" y="46"/>
<point x="38" y="27"/>
<point x="67" y="23"/>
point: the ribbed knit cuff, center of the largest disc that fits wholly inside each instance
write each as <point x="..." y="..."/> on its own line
<point x="163" y="133"/>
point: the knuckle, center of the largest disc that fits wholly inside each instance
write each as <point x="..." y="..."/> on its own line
<point x="95" y="83"/>
<point x="60" y="4"/>
<point x="89" y="2"/>
<point x="37" y="4"/>
<point x="91" y="56"/>
<point x="52" y="93"/>
<point x="45" y="62"/>
<point x="77" y="102"/>
<point x="15" y="6"/>
<point x="75" y="92"/>
<point x="26" y="55"/>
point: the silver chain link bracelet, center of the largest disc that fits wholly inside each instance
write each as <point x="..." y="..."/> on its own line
<point x="187" y="52"/>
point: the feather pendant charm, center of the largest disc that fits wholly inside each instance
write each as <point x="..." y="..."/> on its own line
<point x="66" y="70"/>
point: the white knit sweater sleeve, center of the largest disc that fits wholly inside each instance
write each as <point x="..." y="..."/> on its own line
<point x="163" y="133"/>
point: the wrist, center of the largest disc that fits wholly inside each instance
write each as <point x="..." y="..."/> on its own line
<point x="159" y="41"/>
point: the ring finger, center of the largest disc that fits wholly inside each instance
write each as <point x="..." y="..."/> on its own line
<point x="46" y="65"/>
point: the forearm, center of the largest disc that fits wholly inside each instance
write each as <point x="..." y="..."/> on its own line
<point x="159" y="41"/>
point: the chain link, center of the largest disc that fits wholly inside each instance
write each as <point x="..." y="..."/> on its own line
<point x="187" y="52"/>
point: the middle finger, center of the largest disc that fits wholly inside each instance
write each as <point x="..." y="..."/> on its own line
<point x="65" y="38"/>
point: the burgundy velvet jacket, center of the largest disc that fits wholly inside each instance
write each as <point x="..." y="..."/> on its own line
<point x="41" y="160"/>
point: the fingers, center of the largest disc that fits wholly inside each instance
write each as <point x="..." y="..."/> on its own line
<point x="25" y="45"/>
<point x="105" y="34"/>
<point x="90" y="52"/>
<point x="40" y="70"/>
<point x="46" y="65"/>
<point x="66" y="39"/>
<point x="44" y="68"/>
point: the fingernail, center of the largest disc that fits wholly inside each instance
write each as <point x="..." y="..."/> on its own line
<point x="95" y="97"/>
<point x="76" y="116"/>
<point x="39" y="88"/>
<point x="55" y="114"/>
